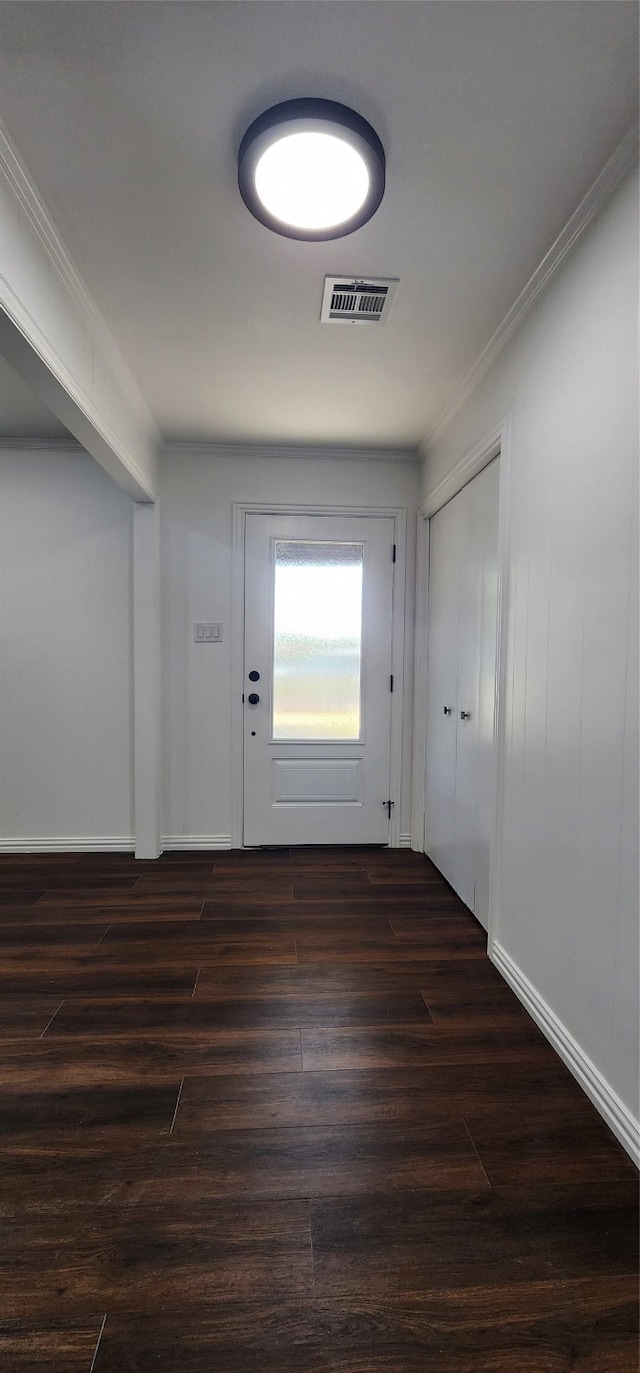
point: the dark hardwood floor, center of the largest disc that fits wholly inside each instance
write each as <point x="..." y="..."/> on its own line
<point x="277" y="1111"/>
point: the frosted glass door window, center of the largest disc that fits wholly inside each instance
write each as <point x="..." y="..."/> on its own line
<point x="317" y="648"/>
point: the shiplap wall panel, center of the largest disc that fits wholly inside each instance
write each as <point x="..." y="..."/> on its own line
<point x="567" y="917"/>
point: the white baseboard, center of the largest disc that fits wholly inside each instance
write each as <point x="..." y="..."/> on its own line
<point x="126" y="843"/>
<point x="617" y="1116"/>
<point x="195" y="841"/>
<point x="100" y="843"/>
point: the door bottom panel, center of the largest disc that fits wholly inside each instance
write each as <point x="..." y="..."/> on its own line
<point x="305" y="781"/>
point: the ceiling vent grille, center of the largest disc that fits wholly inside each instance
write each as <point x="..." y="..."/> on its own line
<point x="359" y="300"/>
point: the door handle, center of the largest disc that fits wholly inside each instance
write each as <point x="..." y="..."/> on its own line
<point x="253" y="698"/>
<point x="448" y="710"/>
<point x="464" y="714"/>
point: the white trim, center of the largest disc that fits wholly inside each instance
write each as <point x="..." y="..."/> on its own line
<point x="172" y="842"/>
<point x="100" y="1334"/>
<point x="86" y="844"/>
<point x="464" y="471"/>
<point x="398" y="614"/>
<point x="419" y="762"/>
<point x="25" y="191"/>
<point x="617" y="1116"/>
<point x="20" y="444"/>
<point x="499" y="725"/>
<point x="237" y="675"/>
<point x="298" y="453"/>
<point x="611" y="176"/>
<point x="399" y="515"/>
<point x="126" y="843"/>
<point x="278" y="508"/>
<point x="147" y="675"/>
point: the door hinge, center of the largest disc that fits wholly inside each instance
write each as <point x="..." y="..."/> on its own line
<point x="391" y="682"/>
<point x="393" y="556"/>
<point x="389" y="805"/>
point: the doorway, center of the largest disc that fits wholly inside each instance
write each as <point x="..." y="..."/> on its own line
<point x="318" y="680"/>
<point x="461" y="688"/>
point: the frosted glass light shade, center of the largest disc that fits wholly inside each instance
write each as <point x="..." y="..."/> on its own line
<point x="311" y="169"/>
<point x="312" y="180"/>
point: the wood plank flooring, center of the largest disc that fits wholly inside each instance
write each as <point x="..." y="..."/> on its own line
<point x="277" y="1111"/>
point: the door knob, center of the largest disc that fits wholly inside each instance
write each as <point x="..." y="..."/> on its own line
<point x="254" y="676"/>
<point x="464" y="714"/>
<point x="253" y="698"/>
<point x="448" y="710"/>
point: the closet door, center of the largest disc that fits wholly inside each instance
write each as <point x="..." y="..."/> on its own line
<point x="461" y="667"/>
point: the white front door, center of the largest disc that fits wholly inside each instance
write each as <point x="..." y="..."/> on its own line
<point x="317" y="679"/>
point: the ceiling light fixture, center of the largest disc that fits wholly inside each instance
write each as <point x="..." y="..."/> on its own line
<point x="311" y="169"/>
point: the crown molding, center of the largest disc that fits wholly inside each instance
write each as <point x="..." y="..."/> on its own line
<point x="222" y="450"/>
<point x="468" y="467"/>
<point x="271" y="451"/>
<point x="26" y="445"/>
<point x="26" y="193"/>
<point x="611" y="176"/>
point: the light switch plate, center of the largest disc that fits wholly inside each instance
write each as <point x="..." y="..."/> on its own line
<point x="206" y="633"/>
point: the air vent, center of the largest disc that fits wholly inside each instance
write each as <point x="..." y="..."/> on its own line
<point x="363" y="300"/>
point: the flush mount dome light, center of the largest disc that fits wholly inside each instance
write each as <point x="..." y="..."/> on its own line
<point x="311" y="169"/>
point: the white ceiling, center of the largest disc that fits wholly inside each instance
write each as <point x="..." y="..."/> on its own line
<point x="496" y="116"/>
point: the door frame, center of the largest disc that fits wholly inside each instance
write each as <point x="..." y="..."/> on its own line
<point x="240" y="511"/>
<point x="497" y="443"/>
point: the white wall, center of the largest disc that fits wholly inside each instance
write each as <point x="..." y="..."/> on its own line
<point x="197" y="491"/>
<point x="65" y="650"/>
<point x="567" y="916"/>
